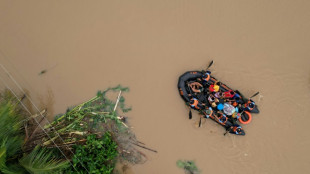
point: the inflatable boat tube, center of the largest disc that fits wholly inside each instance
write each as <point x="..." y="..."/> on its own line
<point x="182" y="86"/>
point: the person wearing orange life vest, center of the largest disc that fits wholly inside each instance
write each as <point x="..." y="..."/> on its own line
<point x="196" y="104"/>
<point x="249" y="105"/>
<point x="237" y="129"/>
<point x="206" y="77"/>
<point x="221" y="118"/>
<point x="235" y="117"/>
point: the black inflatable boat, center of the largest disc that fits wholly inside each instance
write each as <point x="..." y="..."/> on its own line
<point x="215" y="100"/>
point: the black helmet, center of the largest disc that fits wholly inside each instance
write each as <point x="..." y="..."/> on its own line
<point x="251" y="105"/>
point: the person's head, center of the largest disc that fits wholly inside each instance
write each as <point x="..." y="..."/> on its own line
<point x="232" y="93"/>
<point x="251" y="105"/>
<point x="219" y="83"/>
<point x="213" y="104"/>
<point x="208" y="112"/>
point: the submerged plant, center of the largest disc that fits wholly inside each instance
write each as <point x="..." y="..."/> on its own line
<point x="189" y="166"/>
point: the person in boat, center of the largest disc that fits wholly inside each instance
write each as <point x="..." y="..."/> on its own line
<point x="205" y="78"/>
<point x="235" y="117"/>
<point x="196" y="87"/>
<point x="232" y="102"/>
<point x="209" y="112"/>
<point x="218" y="94"/>
<point x="248" y="106"/>
<point x="221" y="117"/>
<point x="213" y="105"/>
<point x="211" y="98"/>
<point x="235" y="100"/>
<point x="196" y="104"/>
<point x="215" y="87"/>
<point x="229" y="94"/>
<point x="237" y="129"/>
<point x="237" y="97"/>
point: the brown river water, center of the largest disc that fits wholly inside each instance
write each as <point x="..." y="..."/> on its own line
<point x="146" y="45"/>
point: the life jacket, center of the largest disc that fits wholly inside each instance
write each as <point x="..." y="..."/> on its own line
<point x="206" y="76"/>
<point x="249" y="105"/>
<point x="237" y="129"/>
<point x="222" y="119"/>
<point x="195" y="104"/>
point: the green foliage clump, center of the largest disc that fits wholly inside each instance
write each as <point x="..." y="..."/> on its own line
<point x="97" y="155"/>
<point x="88" y="127"/>
<point x="13" y="160"/>
<point x="88" y="116"/>
<point x="42" y="161"/>
<point x="189" y="166"/>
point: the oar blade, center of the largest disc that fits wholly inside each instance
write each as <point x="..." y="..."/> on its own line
<point x="255" y="95"/>
<point x="211" y="63"/>
<point x="199" y="122"/>
<point x="190" y="116"/>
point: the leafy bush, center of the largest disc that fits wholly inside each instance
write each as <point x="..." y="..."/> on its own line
<point x="97" y="156"/>
<point x="12" y="157"/>
<point x="189" y="166"/>
<point x="42" y="161"/>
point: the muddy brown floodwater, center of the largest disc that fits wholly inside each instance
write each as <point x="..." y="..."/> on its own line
<point x="81" y="47"/>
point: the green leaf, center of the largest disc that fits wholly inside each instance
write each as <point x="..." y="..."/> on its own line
<point x="42" y="161"/>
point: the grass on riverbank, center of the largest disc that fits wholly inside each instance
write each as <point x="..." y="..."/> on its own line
<point x="89" y="137"/>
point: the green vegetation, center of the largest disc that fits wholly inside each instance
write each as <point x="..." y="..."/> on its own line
<point x="189" y="166"/>
<point x="42" y="161"/>
<point x="12" y="157"/>
<point x="89" y="137"/>
<point x="98" y="155"/>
